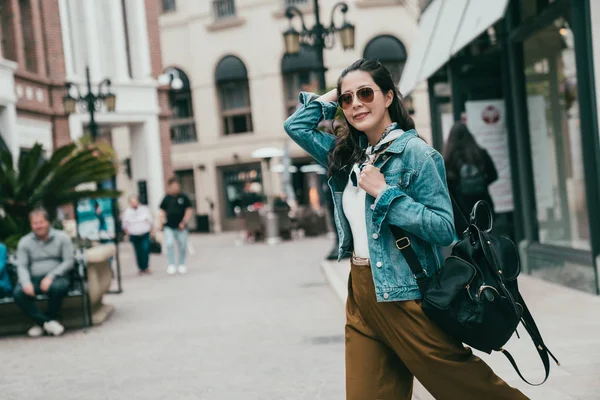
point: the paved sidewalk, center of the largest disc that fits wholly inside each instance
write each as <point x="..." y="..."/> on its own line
<point x="252" y="322"/>
<point x="569" y="321"/>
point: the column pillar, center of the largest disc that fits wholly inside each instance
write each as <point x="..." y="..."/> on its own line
<point x="138" y="39"/>
<point x="8" y="125"/>
<point x="145" y="151"/>
<point x="63" y="8"/>
<point x="92" y="40"/>
<point x="119" y="40"/>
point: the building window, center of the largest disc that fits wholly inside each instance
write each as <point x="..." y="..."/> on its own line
<point x="296" y="82"/>
<point x="555" y="135"/>
<point x="299" y="74"/>
<point x="169" y="5"/>
<point x="28" y="36"/>
<point x="234" y="94"/>
<point x="7" y="21"/>
<point x="183" y="126"/>
<point x="224" y="9"/>
<point x="390" y="52"/>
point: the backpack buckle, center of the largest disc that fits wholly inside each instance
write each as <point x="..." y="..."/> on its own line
<point x="405" y="243"/>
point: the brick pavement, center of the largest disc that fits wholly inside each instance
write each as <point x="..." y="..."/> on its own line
<point x="247" y="322"/>
<point x="569" y="323"/>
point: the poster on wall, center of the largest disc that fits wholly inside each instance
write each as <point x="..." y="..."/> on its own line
<point x="95" y="219"/>
<point x="486" y="119"/>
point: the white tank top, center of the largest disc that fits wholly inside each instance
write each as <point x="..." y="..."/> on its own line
<point x="353" y="204"/>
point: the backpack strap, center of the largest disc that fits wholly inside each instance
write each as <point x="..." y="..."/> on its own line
<point x="540" y="346"/>
<point x="403" y="244"/>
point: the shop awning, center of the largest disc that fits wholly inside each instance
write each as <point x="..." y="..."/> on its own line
<point x="445" y="28"/>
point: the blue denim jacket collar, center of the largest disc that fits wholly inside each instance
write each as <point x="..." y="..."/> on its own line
<point x="396" y="147"/>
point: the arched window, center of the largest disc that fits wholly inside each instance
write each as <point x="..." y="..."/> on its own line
<point x="299" y="74"/>
<point x="390" y="52"/>
<point x="183" y="126"/>
<point x="28" y="35"/>
<point x="231" y="79"/>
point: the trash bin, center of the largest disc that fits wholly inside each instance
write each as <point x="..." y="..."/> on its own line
<point x="202" y="223"/>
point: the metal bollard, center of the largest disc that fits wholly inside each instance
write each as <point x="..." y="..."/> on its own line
<point x="272" y="228"/>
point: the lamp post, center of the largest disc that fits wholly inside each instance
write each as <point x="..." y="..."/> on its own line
<point x="90" y="102"/>
<point x="318" y="37"/>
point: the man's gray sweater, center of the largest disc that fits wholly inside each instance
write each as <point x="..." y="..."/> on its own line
<point x="38" y="258"/>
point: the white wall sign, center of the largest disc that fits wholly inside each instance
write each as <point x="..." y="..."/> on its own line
<point x="486" y="119"/>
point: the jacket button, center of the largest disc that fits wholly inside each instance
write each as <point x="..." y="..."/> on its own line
<point x="379" y="264"/>
<point x="372" y="206"/>
<point x="375" y="236"/>
<point x="385" y="296"/>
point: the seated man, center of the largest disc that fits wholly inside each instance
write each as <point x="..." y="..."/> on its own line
<point x="44" y="258"/>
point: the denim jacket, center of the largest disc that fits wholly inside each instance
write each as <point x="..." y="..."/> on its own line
<point x="415" y="198"/>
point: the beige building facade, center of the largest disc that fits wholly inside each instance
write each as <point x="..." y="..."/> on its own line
<point x="232" y="87"/>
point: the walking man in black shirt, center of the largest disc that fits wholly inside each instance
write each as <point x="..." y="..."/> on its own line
<point x="175" y="211"/>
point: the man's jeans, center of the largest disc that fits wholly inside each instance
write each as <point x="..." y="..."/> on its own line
<point x="141" y="245"/>
<point x="57" y="292"/>
<point x="172" y="236"/>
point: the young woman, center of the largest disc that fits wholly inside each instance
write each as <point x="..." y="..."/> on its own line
<point x="381" y="174"/>
<point x="470" y="172"/>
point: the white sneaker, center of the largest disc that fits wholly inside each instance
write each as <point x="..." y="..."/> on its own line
<point x="182" y="269"/>
<point x="54" y="328"/>
<point x="171" y="270"/>
<point x="35" y="331"/>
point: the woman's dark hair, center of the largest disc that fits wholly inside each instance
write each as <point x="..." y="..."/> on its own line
<point x="347" y="150"/>
<point x="461" y="148"/>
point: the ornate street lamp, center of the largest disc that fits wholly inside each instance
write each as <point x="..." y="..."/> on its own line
<point x="318" y="37"/>
<point x="90" y="102"/>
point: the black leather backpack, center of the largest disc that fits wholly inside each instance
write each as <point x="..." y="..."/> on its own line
<point x="475" y="297"/>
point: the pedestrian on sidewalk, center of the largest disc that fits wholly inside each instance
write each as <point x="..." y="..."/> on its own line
<point x="44" y="259"/>
<point x="382" y="174"/>
<point x="176" y="211"/>
<point x="470" y="172"/>
<point x="137" y="223"/>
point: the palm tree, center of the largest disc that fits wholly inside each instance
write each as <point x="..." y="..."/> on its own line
<point x="50" y="183"/>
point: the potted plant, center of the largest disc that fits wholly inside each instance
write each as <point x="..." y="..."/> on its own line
<point x="34" y="181"/>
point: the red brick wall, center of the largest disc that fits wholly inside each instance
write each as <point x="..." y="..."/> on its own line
<point x="61" y="132"/>
<point x="50" y="76"/>
<point x="153" y="10"/>
<point x="53" y="40"/>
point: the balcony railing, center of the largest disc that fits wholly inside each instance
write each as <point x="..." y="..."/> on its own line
<point x="294" y="2"/>
<point x="224" y="9"/>
<point x="183" y="131"/>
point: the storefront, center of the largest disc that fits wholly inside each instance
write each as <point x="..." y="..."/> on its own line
<point x="242" y="187"/>
<point x="519" y="73"/>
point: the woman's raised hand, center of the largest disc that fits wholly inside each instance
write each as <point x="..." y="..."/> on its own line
<point x="332" y="95"/>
